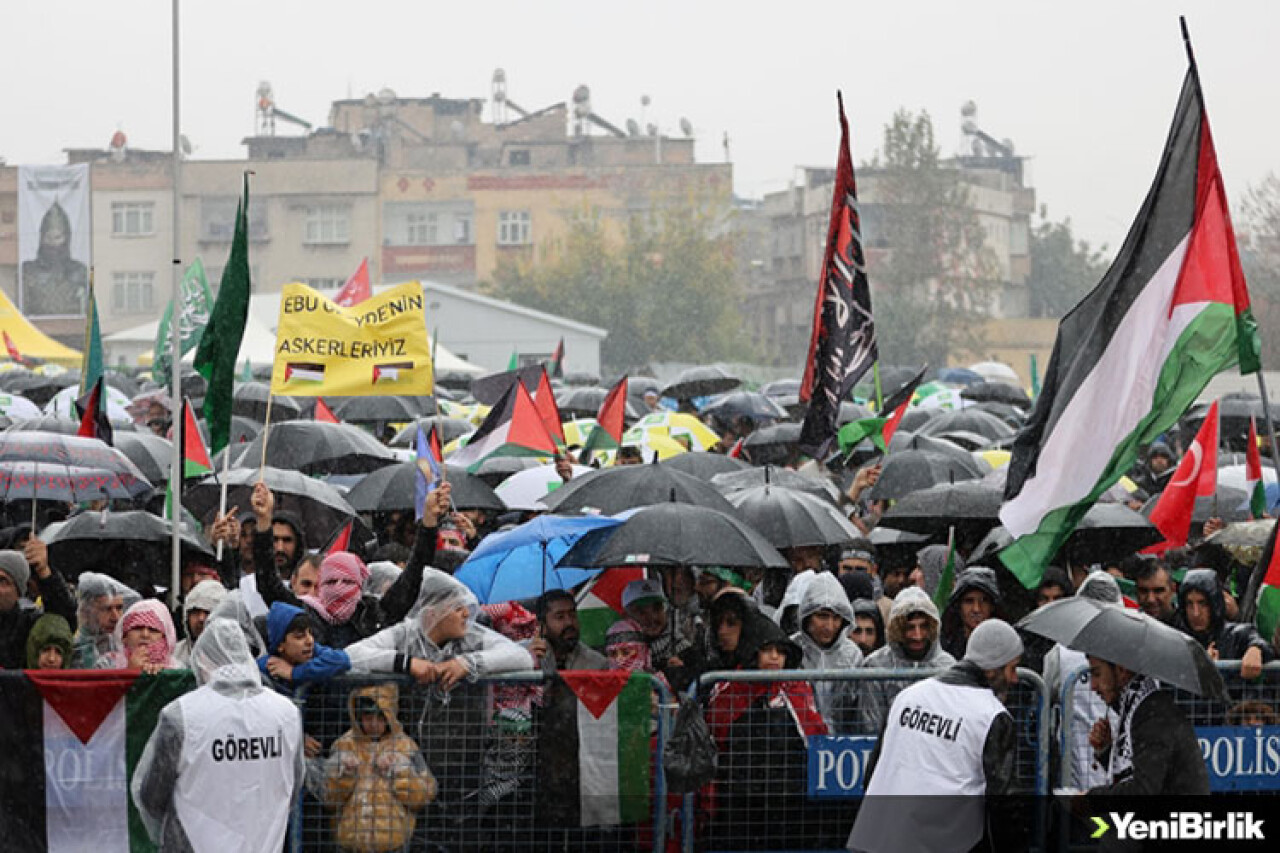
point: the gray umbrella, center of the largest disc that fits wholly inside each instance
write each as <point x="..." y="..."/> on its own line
<point x="701" y="381"/>
<point x="319" y="506"/>
<point x="967" y="420"/>
<point x="734" y="481"/>
<point x="1128" y="638"/>
<point x="933" y="509"/>
<point x="151" y="453"/>
<point x="912" y="470"/>
<point x="1227" y="503"/>
<point x="316" y="447"/>
<point x="673" y="534"/>
<point x="612" y="490"/>
<point x="790" y="519"/>
<point x="704" y="466"/>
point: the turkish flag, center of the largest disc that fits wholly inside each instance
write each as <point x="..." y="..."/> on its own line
<point x="1195" y="477"/>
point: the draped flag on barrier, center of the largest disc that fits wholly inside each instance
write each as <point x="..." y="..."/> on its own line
<point x="71" y="741"/>
<point x="612" y="723"/>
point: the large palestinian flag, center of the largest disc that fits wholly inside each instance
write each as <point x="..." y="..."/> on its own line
<point x="1171" y="312"/>
<point x="70" y="741"/>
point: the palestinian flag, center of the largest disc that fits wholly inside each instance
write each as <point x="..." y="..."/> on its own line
<point x="390" y="372"/>
<point x="612" y="728"/>
<point x="1253" y="475"/>
<point x="600" y="604"/>
<point x="513" y="427"/>
<point x="299" y="371"/>
<point x="341" y="540"/>
<point x="1195" y="477"/>
<point x="545" y="399"/>
<point x="557" y="360"/>
<point x="92" y="409"/>
<point x="880" y="430"/>
<point x="323" y="413"/>
<point x="1266" y="579"/>
<point x="611" y="422"/>
<point x="1170" y="313"/>
<point x="71" y="740"/>
<point x="195" y="456"/>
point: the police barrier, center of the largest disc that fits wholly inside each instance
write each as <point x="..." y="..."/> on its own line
<point x="787" y="781"/>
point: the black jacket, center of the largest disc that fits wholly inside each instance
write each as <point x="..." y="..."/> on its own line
<point x="951" y="630"/>
<point x="1166" y="755"/>
<point x="15" y="624"/>
<point x="1232" y="639"/>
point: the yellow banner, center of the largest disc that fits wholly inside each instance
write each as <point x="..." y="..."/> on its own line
<point x="375" y="348"/>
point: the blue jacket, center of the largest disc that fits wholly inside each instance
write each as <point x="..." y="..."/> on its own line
<point x="325" y="662"/>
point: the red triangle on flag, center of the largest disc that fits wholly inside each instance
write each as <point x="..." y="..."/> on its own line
<point x="195" y="456"/>
<point x="596" y="688"/>
<point x="527" y="428"/>
<point x="545" y="401"/>
<point x="610" y="584"/>
<point x="83" y="699"/>
<point x="342" y="541"/>
<point x="323" y="413"/>
<point x="613" y="411"/>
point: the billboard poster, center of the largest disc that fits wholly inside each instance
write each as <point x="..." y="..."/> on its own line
<point x="55" y="240"/>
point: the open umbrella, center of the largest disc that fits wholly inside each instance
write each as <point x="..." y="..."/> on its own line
<point x="1129" y="638"/>
<point x="745" y="404"/>
<point x="249" y="400"/>
<point x="314" y="447"/>
<point x="703" y="465"/>
<point x="377" y="410"/>
<point x="791" y="519"/>
<point x="16" y="407"/>
<point x="611" y="490"/>
<point x="488" y="389"/>
<point x="63" y="405"/>
<point x="769" y="475"/>
<point x="121" y="543"/>
<point x="44" y="447"/>
<point x="934" y="509"/>
<point x="910" y="471"/>
<point x="772" y="444"/>
<point x="586" y="403"/>
<point x="702" y="381"/>
<point x="525" y="490"/>
<point x="676" y="425"/>
<point x="1109" y="531"/>
<point x="446" y="427"/>
<point x="967" y="420"/>
<point x="54" y="481"/>
<point x="521" y="563"/>
<point x="495" y="469"/>
<point x="62" y="426"/>
<point x="394" y="488"/>
<point x="904" y="440"/>
<point x="996" y="392"/>
<point x="151" y="453"/>
<point x="39" y="388"/>
<point x="1226" y="503"/>
<point x="672" y="534"/>
<point x="319" y="506"/>
<point x="996" y="371"/>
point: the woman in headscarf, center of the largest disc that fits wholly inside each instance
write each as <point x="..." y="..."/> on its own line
<point x="146" y="640"/>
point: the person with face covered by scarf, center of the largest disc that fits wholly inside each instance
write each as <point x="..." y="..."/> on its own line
<point x="146" y="639"/>
<point x="343" y="614"/>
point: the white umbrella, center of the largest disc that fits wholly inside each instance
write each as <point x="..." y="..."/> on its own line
<point x="996" y="371"/>
<point x="63" y="405"/>
<point x="524" y="490"/>
<point x="17" y="408"/>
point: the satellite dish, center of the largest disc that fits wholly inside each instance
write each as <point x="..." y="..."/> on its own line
<point x="686" y="127"/>
<point x="184" y="144"/>
<point x="633" y="127"/>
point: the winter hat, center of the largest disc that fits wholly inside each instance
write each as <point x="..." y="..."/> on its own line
<point x="993" y="644"/>
<point x="342" y="577"/>
<point x="857" y="585"/>
<point x="13" y="564"/>
<point x="641" y="591"/>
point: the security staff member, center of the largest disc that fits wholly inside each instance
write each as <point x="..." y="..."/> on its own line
<point x="225" y="761"/>
<point x="947" y="735"/>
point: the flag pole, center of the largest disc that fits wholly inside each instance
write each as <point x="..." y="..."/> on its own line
<point x="266" y="435"/>
<point x="1271" y="424"/>
<point x="35" y="500"/>
<point x="222" y="497"/>
<point x="175" y="366"/>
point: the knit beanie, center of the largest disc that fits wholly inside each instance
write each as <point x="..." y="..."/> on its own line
<point x="14" y="564"/>
<point x="993" y="644"/>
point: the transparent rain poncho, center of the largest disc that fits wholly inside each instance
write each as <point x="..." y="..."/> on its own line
<point x="233" y="609"/>
<point x="382" y="575"/>
<point x="101" y="601"/>
<point x="222" y="658"/>
<point x="146" y="613"/>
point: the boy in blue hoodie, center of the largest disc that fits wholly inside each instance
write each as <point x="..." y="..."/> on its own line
<point x="296" y="658"/>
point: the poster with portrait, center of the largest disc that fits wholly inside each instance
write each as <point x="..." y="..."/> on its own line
<point x="55" y="240"/>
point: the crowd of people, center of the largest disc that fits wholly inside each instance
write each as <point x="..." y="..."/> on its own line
<point x="374" y="776"/>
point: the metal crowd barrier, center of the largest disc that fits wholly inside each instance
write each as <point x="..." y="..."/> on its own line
<point x="775" y="790"/>
<point x="501" y="757"/>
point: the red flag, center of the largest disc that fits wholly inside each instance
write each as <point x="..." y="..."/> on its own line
<point x="323" y="413"/>
<point x="94" y="422"/>
<point x="612" y="415"/>
<point x="433" y="443"/>
<point x="13" y="349"/>
<point x="357" y="288"/>
<point x="1195" y="477"/>
<point x="545" y="399"/>
<point x="342" y="541"/>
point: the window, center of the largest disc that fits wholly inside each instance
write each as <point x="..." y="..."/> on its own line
<point x="326" y="223"/>
<point x="324" y="283"/>
<point x="132" y="219"/>
<point x="421" y="229"/>
<point x="132" y="292"/>
<point x="518" y="157"/>
<point x="462" y="230"/>
<point x="514" y="228"/>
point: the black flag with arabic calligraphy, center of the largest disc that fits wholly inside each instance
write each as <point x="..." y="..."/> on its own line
<point x="843" y="345"/>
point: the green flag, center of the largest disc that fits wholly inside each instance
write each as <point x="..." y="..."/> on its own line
<point x="91" y="362"/>
<point x="197" y="299"/>
<point x="246" y="372"/>
<point x="1035" y="377"/>
<point x="947" y="580"/>
<point x="220" y="343"/>
<point x="514" y="362"/>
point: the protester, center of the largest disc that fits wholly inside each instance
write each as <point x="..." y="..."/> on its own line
<point x="1202" y="616"/>
<point x="306" y="575"/>
<point x="1155" y="590"/>
<point x="1160" y="465"/>
<point x="101" y="602"/>
<point x="203" y="598"/>
<point x="709" y="580"/>
<point x="295" y="658"/>
<point x="868" y="627"/>
<point x="225" y="762"/>
<point x="558" y="643"/>
<point x="146" y="639"/>
<point x="16" y="621"/>
<point x="49" y="643"/>
<point x="375" y="778"/>
<point x="823" y="638"/>
<point x="673" y="654"/>
<point x="930" y="562"/>
<point x="911" y="643"/>
<point x="288" y="541"/>
<point x="974" y="599"/>
<point x="732" y="618"/>
<point x="1053" y="585"/>
<point x="947" y="744"/>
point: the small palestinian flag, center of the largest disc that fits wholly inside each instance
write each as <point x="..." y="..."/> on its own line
<point x="390" y="372"/>
<point x="195" y="456"/>
<point x="545" y="399"/>
<point x="1253" y="475"/>
<point x="303" y="371"/>
<point x="600" y="604"/>
<point x="71" y="740"/>
<point x="880" y="430"/>
<point x="611" y="422"/>
<point x="323" y="413"/>
<point x="92" y="408"/>
<point x="512" y="428"/>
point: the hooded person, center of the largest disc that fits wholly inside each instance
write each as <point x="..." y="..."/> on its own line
<point x="732" y="623"/>
<point x="225" y="761"/>
<point x="930" y="562"/>
<point x="825" y="619"/>
<point x="947" y="745"/>
<point x="15" y="619"/>
<point x="382" y="574"/>
<point x="911" y="643"/>
<point x="974" y="599"/>
<point x="294" y="658"/>
<point x="375" y="778"/>
<point x="1202" y="615"/>
<point x="101" y="601"/>
<point x="49" y="643"/>
<point x="145" y="638"/>
<point x="868" y="627"/>
<point x="1158" y="468"/>
<point x="202" y="600"/>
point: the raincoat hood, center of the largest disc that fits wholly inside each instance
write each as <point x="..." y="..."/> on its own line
<point x="975" y="577"/>
<point x="1204" y="581"/>
<point x="279" y="618"/>
<point x="90" y="589"/>
<point x="382" y="574"/>
<point x="221" y="659"/>
<point x="796" y="589"/>
<point x="824" y="592"/>
<point x="206" y="596"/>
<point x="932" y="560"/>
<point x="769" y="632"/>
<point x="871" y="610"/>
<point x="910" y="601"/>
<point x="234" y="610"/>
<point x="49" y="630"/>
<point x="731" y="600"/>
<point x="1100" y="587"/>
<point x="387" y="697"/>
<point x="439" y="595"/>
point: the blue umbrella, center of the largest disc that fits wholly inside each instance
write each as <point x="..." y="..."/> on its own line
<point x="521" y="563"/>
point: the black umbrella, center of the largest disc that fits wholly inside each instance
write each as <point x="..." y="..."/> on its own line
<point x="446" y="428"/>
<point x="969" y="440"/>
<point x="249" y="399"/>
<point x="495" y="469"/>
<point x="62" y="426"/>
<point x="914" y="419"/>
<point x="1227" y="503"/>
<point x="903" y="440"/>
<point x="773" y="445"/>
<point x="745" y="404"/>
<point x="152" y="454"/>
<point x="121" y="382"/>
<point x="1129" y="638"/>
<point x="365" y="410"/>
<point x="488" y="389"/>
<point x="910" y="471"/>
<point x="704" y="466"/>
<point x="611" y="490"/>
<point x="120" y="544"/>
<point x="701" y="381"/>
<point x="769" y="475"/>
<point x="967" y="421"/>
<point x="394" y="488"/>
<point x="43" y="447"/>
<point x="675" y="534"/>
<point x="781" y="388"/>
<point x="1011" y="415"/>
<point x="996" y="392"/>
<point x="1109" y="531"/>
<point x="933" y="509"/>
<point x="54" y="481"/>
<point x="315" y="447"/>
<point x="319" y="506"/>
<point x="791" y="519"/>
<point x="586" y="403"/>
<point x="39" y="388"/>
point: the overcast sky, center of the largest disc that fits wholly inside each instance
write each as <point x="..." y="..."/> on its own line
<point x="1085" y="89"/>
